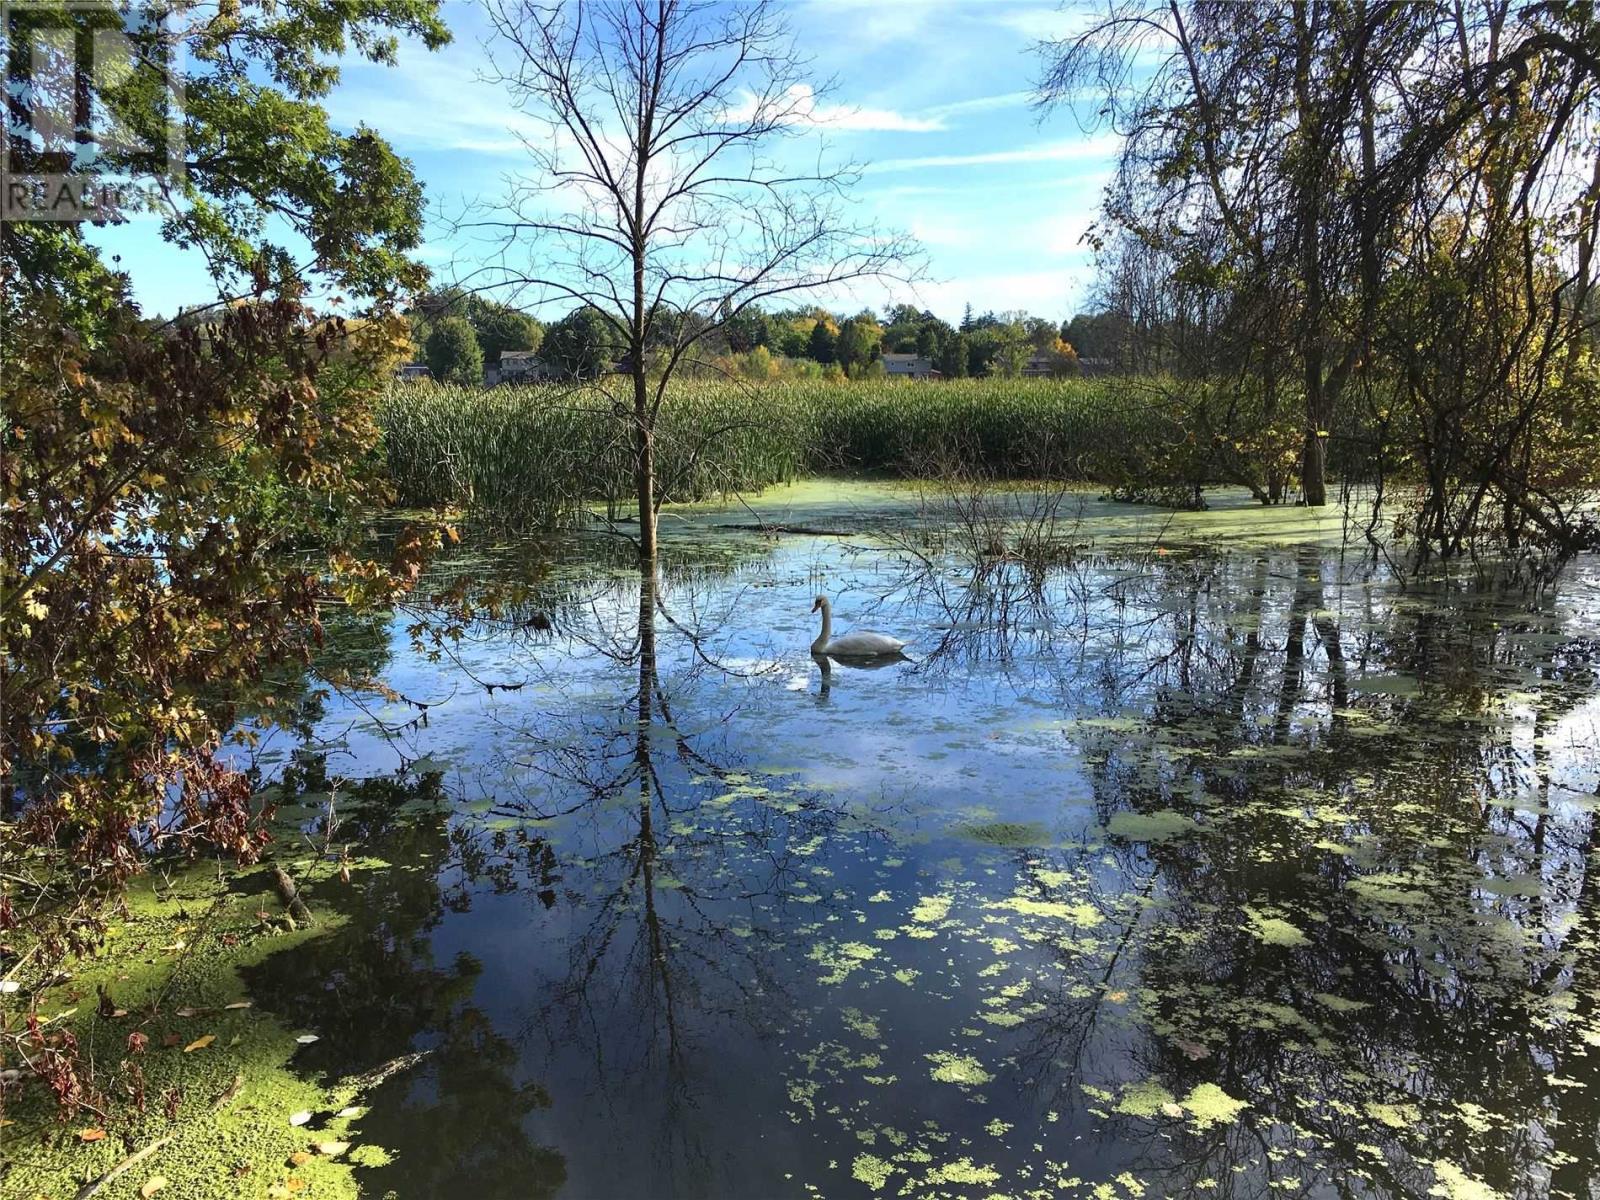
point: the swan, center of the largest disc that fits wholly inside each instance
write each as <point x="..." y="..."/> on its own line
<point x="859" y="644"/>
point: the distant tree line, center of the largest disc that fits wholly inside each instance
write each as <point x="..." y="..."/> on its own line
<point x="459" y="334"/>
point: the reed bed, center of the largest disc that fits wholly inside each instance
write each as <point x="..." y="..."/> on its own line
<point x="547" y="455"/>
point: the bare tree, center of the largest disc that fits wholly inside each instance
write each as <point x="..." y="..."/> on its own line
<point x="657" y="194"/>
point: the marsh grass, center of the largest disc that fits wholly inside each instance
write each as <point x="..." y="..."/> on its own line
<point x="553" y="456"/>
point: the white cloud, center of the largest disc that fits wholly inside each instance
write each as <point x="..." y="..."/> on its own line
<point x="982" y="104"/>
<point x="439" y="102"/>
<point x="854" y="118"/>
<point x="1044" y="23"/>
<point x="1089" y="149"/>
<point x="1060" y="235"/>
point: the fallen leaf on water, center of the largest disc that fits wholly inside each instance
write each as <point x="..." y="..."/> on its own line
<point x="295" y="1184"/>
<point x="171" y="1039"/>
<point x="91" y="1135"/>
<point x="332" y="1149"/>
<point x="355" y="1110"/>
<point x="1172" y="1110"/>
<point x="300" y="1118"/>
<point x="305" y="1039"/>
<point x="152" y="1185"/>
<point x="240" y="1004"/>
<point x="200" y="1043"/>
<point x="188" y="1012"/>
<point x="299" y="1158"/>
<point x="1194" y="1049"/>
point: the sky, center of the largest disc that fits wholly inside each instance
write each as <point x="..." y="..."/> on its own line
<point x="931" y="98"/>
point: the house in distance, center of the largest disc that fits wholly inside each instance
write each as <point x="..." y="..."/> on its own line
<point x="518" y="366"/>
<point x="909" y="366"/>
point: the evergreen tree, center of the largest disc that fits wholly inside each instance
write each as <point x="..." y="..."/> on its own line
<point x="823" y="346"/>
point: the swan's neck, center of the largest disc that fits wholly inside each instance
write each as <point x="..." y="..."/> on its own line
<point x="827" y="629"/>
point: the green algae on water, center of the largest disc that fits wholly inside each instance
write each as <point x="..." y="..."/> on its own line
<point x="1149" y="827"/>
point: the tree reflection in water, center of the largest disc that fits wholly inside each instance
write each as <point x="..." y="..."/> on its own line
<point x="1293" y="885"/>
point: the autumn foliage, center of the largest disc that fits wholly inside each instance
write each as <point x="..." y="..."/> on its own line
<point x="177" y="505"/>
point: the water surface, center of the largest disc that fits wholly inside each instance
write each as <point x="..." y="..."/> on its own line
<point x="1206" y="859"/>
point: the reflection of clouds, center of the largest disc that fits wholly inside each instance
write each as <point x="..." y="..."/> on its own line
<point x="1193" y="684"/>
<point x="798" y="679"/>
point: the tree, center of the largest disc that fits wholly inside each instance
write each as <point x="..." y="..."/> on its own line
<point x="180" y="498"/>
<point x="822" y="346"/>
<point x="582" y="345"/>
<point x="1272" y="152"/>
<point x="1103" y="336"/>
<point x="663" y="119"/>
<point x="1063" y="359"/>
<point x="499" y="327"/>
<point x="260" y="158"/>
<point x="858" y="342"/>
<point x="954" y="356"/>
<point x="178" y="510"/>
<point x="452" y="352"/>
<point x="747" y="330"/>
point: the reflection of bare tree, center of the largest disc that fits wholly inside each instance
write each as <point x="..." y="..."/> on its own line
<point x="1372" y="827"/>
<point x="682" y="874"/>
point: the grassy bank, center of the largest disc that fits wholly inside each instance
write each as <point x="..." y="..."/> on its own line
<point x="539" y="455"/>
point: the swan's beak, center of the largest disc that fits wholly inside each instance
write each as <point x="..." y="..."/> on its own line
<point x="816" y="604"/>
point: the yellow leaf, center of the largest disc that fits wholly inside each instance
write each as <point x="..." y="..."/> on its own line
<point x="152" y="1185"/>
<point x="200" y="1043"/>
<point x="91" y="1135"/>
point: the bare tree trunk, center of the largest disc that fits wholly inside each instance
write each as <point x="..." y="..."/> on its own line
<point x="644" y="466"/>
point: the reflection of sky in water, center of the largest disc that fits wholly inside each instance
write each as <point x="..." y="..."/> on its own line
<point x="1190" y="872"/>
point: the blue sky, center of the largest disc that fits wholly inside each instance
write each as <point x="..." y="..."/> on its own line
<point x="932" y="98"/>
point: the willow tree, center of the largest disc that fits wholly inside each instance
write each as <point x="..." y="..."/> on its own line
<point x="670" y="188"/>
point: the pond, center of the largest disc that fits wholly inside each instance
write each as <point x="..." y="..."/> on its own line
<point x="1199" y="857"/>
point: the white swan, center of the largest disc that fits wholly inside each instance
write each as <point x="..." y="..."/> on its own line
<point x="859" y="644"/>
